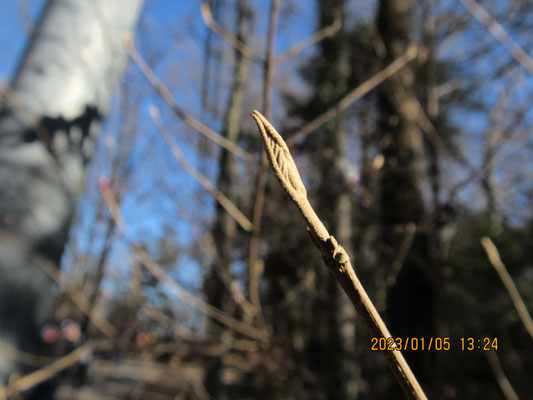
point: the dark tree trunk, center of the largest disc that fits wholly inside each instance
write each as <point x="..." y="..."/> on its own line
<point x="410" y="298"/>
<point x="224" y="227"/>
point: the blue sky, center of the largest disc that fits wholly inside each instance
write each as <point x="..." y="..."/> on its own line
<point x="174" y="32"/>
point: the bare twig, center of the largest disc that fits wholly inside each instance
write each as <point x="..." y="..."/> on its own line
<point x="497" y="31"/>
<point x="76" y="296"/>
<point x="238" y="45"/>
<point x="156" y="270"/>
<point x="259" y="198"/>
<point x="500" y="376"/>
<point x="230" y="282"/>
<point x="354" y="95"/>
<point x="228" y="205"/>
<point x="499" y="266"/>
<point x="154" y="313"/>
<point x="34" y="360"/>
<point x="322" y="34"/>
<point x="159" y="273"/>
<point x="28" y="381"/>
<point x="333" y="254"/>
<point x="171" y="101"/>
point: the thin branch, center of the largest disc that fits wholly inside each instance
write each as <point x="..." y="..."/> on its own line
<point x="152" y="312"/>
<point x="159" y="273"/>
<point x="318" y="36"/>
<point x="28" y="381"/>
<point x="499" y="266"/>
<point x="232" y="210"/>
<point x="259" y="198"/>
<point x="396" y="266"/>
<point x="333" y="255"/>
<point x="77" y="296"/>
<point x="171" y="101"/>
<point x="238" y="45"/>
<point x="354" y="95"/>
<point x="230" y="282"/>
<point x="497" y="31"/>
<point x="500" y="376"/>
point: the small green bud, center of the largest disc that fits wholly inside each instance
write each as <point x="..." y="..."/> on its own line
<point x="341" y="256"/>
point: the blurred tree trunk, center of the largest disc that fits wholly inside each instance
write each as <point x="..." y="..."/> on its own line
<point x="332" y="341"/>
<point x="49" y="124"/>
<point x="410" y="294"/>
<point x="441" y="214"/>
<point x="224" y="227"/>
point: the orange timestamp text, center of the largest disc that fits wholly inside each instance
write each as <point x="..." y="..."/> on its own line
<point x="433" y="344"/>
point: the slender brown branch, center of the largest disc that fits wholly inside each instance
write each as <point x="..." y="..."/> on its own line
<point x="354" y="95"/>
<point x="230" y="282"/>
<point x="318" y="36"/>
<point x="228" y="205"/>
<point x="269" y="63"/>
<point x="333" y="254"/>
<point x="171" y="101"/>
<point x="159" y="273"/>
<point x="497" y="31"/>
<point x="499" y="266"/>
<point x="77" y="296"/>
<point x="237" y="44"/>
<point x="500" y="376"/>
<point x="213" y="312"/>
<point x="152" y="312"/>
<point x="28" y="381"/>
<point x="259" y="197"/>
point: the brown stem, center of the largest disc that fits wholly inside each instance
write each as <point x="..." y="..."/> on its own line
<point x="261" y="179"/>
<point x="334" y="256"/>
<point x="354" y="95"/>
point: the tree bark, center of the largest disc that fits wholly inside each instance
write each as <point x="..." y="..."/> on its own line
<point x="49" y="125"/>
<point x="335" y="315"/>
<point x="224" y="227"/>
<point x="410" y="299"/>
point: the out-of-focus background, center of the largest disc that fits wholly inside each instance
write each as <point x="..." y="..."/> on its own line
<point x="148" y="253"/>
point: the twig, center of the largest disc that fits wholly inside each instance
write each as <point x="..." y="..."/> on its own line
<point x="154" y="313"/>
<point x="238" y="45"/>
<point x="171" y="101"/>
<point x="76" y="296"/>
<point x="259" y="197"/>
<point x="499" y="266"/>
<point x="500" y="376"/>
<point x="43" y="374"/>
<point x="333" y="255"/>
<point x="156" y="270"/>
<point x="497" y="31"/>
<point x="230" y="282"/>
<point x="159" y="273"/>
<point x="396" y="266"/>
<point x="354" y="95"/>
<point x="33" y="360"/>
<point x="312" y="40"/>
<point x="228" y="205"/>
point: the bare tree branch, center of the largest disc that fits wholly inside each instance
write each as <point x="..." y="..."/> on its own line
<point x="499" y="266"/>
<point x="500" y="376"/>
<point x="232" y="210"/>
<point x="497" y="31"/>
<point x="333" y="254"/>
<point x="171" y="101"/>
<point x="354" y="95"/>
<point x="322" y="34"/>
<point x="159" y="273"/>
<point x="259" y="197"/>
<point x="238" y="45"/>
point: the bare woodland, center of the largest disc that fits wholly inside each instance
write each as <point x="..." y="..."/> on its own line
<point x="161" y="239"/>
